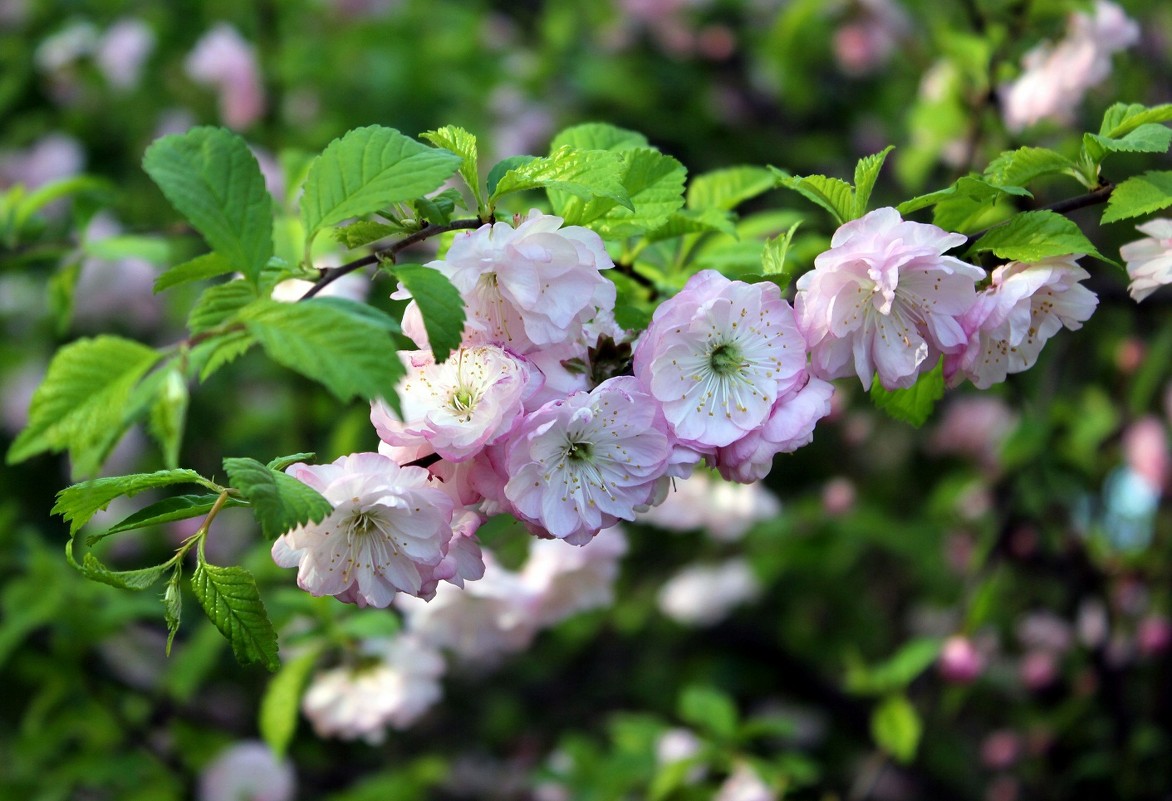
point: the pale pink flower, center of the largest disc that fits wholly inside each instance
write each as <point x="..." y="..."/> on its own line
<point x="226" y="61"/>
<point x="531" y="286"/>
<point x="463" y="559"/>
<point x="1149" y="260"/>
<point x="960" y="661"/>
<point x="583" y="463"/>
<point x="866" y="42"/>
<point x="247" y="771"/>
<point x="974" y="427"/>
<point x="1145" y="448"/>
<point x="388" y="530"/>
<point x="395" y="682"/>
<point x="1023" y="307"/>
<point x="724" y="509"/>
<point x="565" y="580"/>
<point x="679" y="745"/>
<point x="718" y="355"/>
<point x="885" y="299"/>
<point x="123" y="51"/>
<point x="701" y="594"/>
<point x="479" y="623"/>
<point x="745" y="784"/>
<point x="456" y="407"/>
<point x="53" y="157"/>
<point x="1056" y="76"/>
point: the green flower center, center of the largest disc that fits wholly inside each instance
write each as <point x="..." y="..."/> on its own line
<point x="725" y="359"/>
<point x="463" y="399"/>
<point x="579" y="451"/>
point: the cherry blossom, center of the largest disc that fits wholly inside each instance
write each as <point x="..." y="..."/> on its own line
<point x="718" y="355"/>
<point x="702" y="594"/>
<point x="885" y="299"/>
<point x="247" y="770"/>
<point x="388" y="530"/>
<point x="1149" y="260"/>
<point x="227" y="62"/>
<point x="565" y="581"/>
<point x="581" y="464"/>
<point x="724" y="509"/>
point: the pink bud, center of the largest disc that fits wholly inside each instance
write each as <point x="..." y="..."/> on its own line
<point x="838" y="496"/>
<point x="1154" y="635"/>
<point x="960" y="662"/>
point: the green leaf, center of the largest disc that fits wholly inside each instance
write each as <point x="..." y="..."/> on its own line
<point x="964" y="204"/>
<point x="598" y="136"/>
<point x="219" y="303"/>
<point x="346" y="352"/>
<point x="773" y="258"/>
<point x="832" y="194"/>
<point x="168" y="415"/>
<point x="896" y="673"/>
<point x="1121" y="119"/>
<point x="209" y="265"/>
<point x="211" y="177"/>
<point x="694" y="221"/>
<point x="440" y="305"/>
<point x="586" y="174"/>
<point x="1035" y="235"/>
<point x="363" y="232"/>
<point x="230" y="599"/>
<point x="79" y="405"/>
<point x="210" y="355"/>
<point x="281" y="462"/>
<point x="1149" y="138"/>
<point x="37" y="199"/>
<point x="897" y="728"/>
<point x="364" y="311"/>
<point x="655" y="184"/>
<point x="866" y="173"/>
<point x="94" y="570"/>
<point x="62" y="291"/>
<point x="168" y="510"/>
<point x="727" y="188"/>
<point x="1020" y="167"/>
<point x="1139" y="195"/>
<point x="279" y="501"/>
<point x="709" y="710"/>
<point x="282" y="700"/>
<point x="153" y="249"/>
<point x="463" y="144"/>
<point x="77" y="504"/>
<point x="912" y="405"/>
<point x="368" y="169"/>
<point x="173" y="604"/>
<point x="502" y="167"/>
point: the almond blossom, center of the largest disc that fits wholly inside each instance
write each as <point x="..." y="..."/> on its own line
<point x="388" y="530"/>
<point x="703" y="594"/>
<point x="581" y="464"/>
<point x="885" y="299"/>
<point x="1024" y="306"/>
<point x="1149" y="260"/>
<point x="227" y="62"/>
<point x="247" y="770"/>
<point x="718" y="355"/>
<point x="723" y="509"/>
<point x="565" y="580"/>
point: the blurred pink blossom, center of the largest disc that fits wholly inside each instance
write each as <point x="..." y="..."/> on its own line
<point x="51" y="158"/>
<point x="123" y="51"/>
<point x="974" y="427"/>
<point x="1145" y="449"/>
<point x="866" y="41"/>
<point x="704" y="594"/>
<point x="565" y="580"/>
<point x="1153" y="635"/>
<point x="745" y="784"/>
<point x="724" y="509"/>
<point x="247" y="771"/>
<point x="960" y="662"/>
<point x="1001" y="749"/>
<point x="225" y="61"/>
<point x="1038" y="669"/>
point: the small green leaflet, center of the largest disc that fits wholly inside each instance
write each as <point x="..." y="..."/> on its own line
<point x="965" y="204"/>
<point x="230" y="599"/>
<point x="77" y="504"/>
<point x="363" y="232"/>
<point x="727" y="188"/>
<point x="179" y="507"/>
<point x="773" y="258"/>
<point x="463" y="144"/>
<point x="1121" y="119"/>
<point x="653" y="182"/>
<point x="897" y="672"/>
<point x="709" y="710"/>
<point x="866" y="173"/>
<point x="1149" y="138"/>
<point x="1139" y="195"/>
<point x="1035" y="235"/>
<point x="217" y="304"/>
<point x="168" y="414"/>
<point x="832" y="194"/>
<point x="279" y="501"/>
<point x="281" y="462"/>
<point x="282" y="701"/>
<point x="440" y="305"/>
<point x="912" y="405"/>
<point x="896" y="728"/>
<point x="210" y="355"/>
<point x="586" y="174"/>
<point x="502" y="168"/>
<point x="94" y="570"/>
<point x="211" y="177"/>
<point x="173" y="604"/>
<point x="598" y="136"/>
<point x="209" y="265"/>
<point x="1020" y="167"/>
<point x="346" y="351"/>
<point x="367" y="169"/>
<point x="81" y="402"/>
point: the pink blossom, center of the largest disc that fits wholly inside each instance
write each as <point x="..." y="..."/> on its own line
<point x="745" y="784"/>
<point x="974" y="427"/>
<point x="247" y="771"/>
<point x="885" y="299"/>
<point x="703" y="594"/>
<point x="531" y="286"/>
<point x="388" y="530"/>
<point x="123" y="51"/>
<point x="565" y="580"/>
<point x="724" y="509"/>
<point x="583" y="463"/>
<point x="1056" y="76"/>
<point x="459" y="406"/>
<point x="226" y="61"/>
<point x="1023" y="307"/>
<point x="1145" y="447"/>
<point x="718" y="355"/>
<point x="1153" y="635"/>
<point x="394" y="683"/>
<point x="51" y="158"/>
<point x="960" y="661"/>
<point x="1001" y="749"/>
<point x="1149" y="260"/>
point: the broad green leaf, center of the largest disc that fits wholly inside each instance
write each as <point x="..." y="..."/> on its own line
<point x="219" y="303"/>
<point x="78" y="503"/>
<point x="211" y="177"/>
<point x="80" y="402"/>
<point x="210" y="355"/>
<point x="832" y="194"/>
<point x="655" y="184"/>
<point x="279" y="501"/>
<point x="1149" y="138"/>
<point x="440" y="305"/>
<point x="173" y="604"/>
<point x="773" y="258"/>
<point x="168" y="415"/>
<point x="709" y="710"/>
<point x="1035" y="235"/>
<point x="598" y="136"/>
<point x="896" y="673"/>
<point x="694" y="221"/>
<point x="364" y="311"/>
<point x="209" y="265"/>
<point x="363" y="232"/>
<point x="866" y="173"/>
<point x="1121" y="119"/>
<point x="897" y="728"/>
<point x="168" y="510"/>
<point x="230" y="599"/>
<point x="586" y="174"/>
<point x="1139" y="195"/>
<point x="965" y="204"/>
<point x="153" y="249"/>
<point x="282" y="700"/>
<point x="348" y="353"/>
<point x="463" y="144"/>
<point x="727" y="188"/>
<point x="912" y="405"/>
<point x="1019" y="167"/>
<point x="502" y="168"/>
<point x="367" y="169"/>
